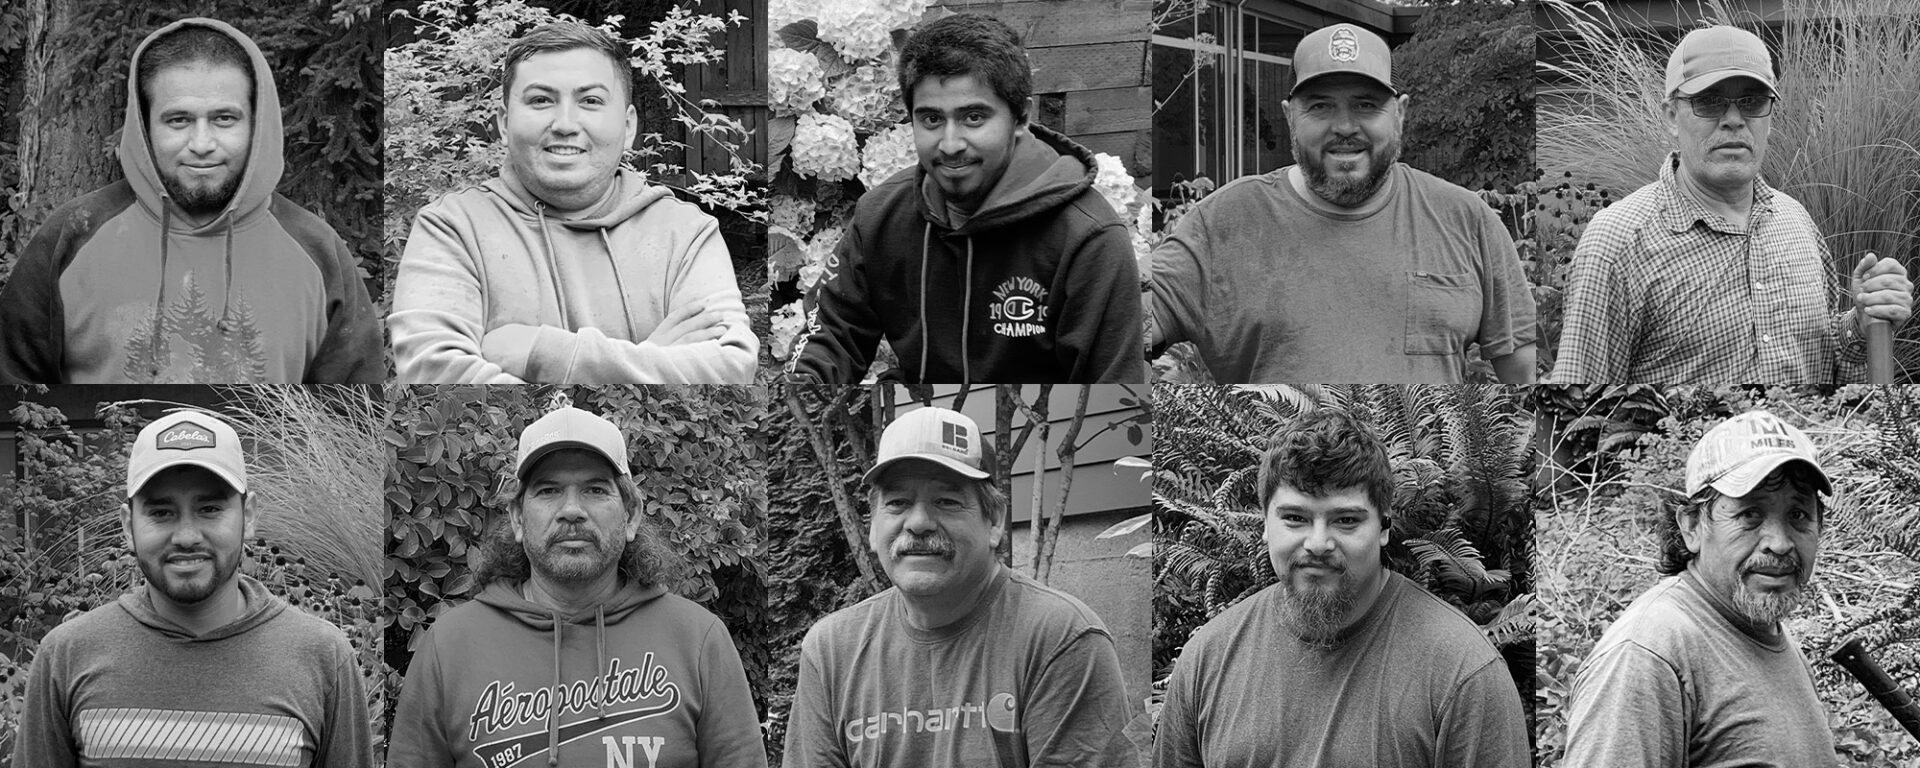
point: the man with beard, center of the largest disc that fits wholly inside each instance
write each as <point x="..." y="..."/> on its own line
<point x="1708" y="275"/>
<point x="202" y="664"/>
<point x="568" y="268"/>
<point x="1700" y="670"/>
<point x="1348" y="266"/>
<point x="191" y="269"/>
<point x="963" y="662"/>
<point x="994" y="259"/>
<point x="575" y="653"/>
<point x="1341" y="663"/>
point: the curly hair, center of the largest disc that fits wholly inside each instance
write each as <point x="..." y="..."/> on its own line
<point x="646" y="560"/>
<point x="1324" y="450"/>
<point x="969" y="44"/>
<point x="1674" y="555"/>
<point x="560" y="37"/>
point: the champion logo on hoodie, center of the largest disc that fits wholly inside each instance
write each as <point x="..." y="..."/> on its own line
<point x="1019" y="308"/>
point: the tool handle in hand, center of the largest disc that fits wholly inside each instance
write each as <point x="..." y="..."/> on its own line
<point x="1852" y="656"/>
<point x="1879" y="352"/>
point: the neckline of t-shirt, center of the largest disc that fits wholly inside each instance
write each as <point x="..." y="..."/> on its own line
<point x="1723" y="614"/>
<point x="957" y="628"/>
<point x="1385" y="198"/>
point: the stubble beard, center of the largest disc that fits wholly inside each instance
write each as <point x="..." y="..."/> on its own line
<point x="1769" y="607"/>
<point x="579" y="568"/>
<point x="189" y="592"/>
<point x="1344" y="192"/>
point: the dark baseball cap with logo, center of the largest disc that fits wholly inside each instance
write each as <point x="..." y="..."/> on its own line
<point x="1342" y="49"/>
<point x="186" y="438"/>
<point x="939" y="435"/>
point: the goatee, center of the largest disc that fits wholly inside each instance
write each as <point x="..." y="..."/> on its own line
<point x="1317" y="612"/>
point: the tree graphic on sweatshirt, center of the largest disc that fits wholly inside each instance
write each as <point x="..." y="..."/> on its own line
<point x="185" y="341"/>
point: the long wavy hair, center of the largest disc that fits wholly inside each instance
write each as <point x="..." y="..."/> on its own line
<point x="647" y="560"/>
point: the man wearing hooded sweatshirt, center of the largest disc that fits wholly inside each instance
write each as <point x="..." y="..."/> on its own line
<point x="568" y="269"/>
<point x="994" y="260"/>
<point x="575" y="654"/>
<point x="201" y="665"/>
<point x="191" y="269"/>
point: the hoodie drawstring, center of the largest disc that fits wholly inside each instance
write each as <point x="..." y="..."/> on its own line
<point x="553" y="268"/>
<point x="553" y="713"/>
<point x="966" y="320"/>
<point x="620" y="286"/>
<point x="160" y="301"/>
<point x="600" y="652"/>
<point x="926" y="244"/>
<point x="226" y="301"/>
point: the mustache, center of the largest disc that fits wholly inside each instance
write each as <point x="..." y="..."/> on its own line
<point x="937" y="544"/>
<point x="1773" y="564"/>
<point x="1316" y="562"/>
<point x="577" y="533"/>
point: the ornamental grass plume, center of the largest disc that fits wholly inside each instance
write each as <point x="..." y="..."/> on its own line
<point x="317" y="464"/>
<point x="1843" y="130"/>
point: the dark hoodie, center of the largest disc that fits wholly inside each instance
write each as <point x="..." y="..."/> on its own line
<point x="1039" y="285"/>
<point x="266" y="292"/>
<point x="121" y="686"/>
<point x="647" y="679"/>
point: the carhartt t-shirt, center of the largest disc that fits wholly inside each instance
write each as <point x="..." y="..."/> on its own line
<point x="1412" y="684"/>
<point x="1271" y="289"/>
<point x="1029" y="679"/>
<point x="1675" y="684"/>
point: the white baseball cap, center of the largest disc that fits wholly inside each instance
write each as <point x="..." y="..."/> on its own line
<point x="1736" y="455"/>
<point x="570" y="428"/>
<point x="1710" y="55"/>
<point x="186" y="437"/>
<point x="940" y="435"/>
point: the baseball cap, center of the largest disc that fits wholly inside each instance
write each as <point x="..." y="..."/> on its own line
<point x="940" y="435"/>
<point x="1736" y="455"/>
<point x="1342" y="48"/>
<point x="186" y="437"/>
<point x="570" y="428"/>
<point x="1710" y="55"/>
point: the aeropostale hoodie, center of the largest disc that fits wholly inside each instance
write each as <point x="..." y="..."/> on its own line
<point x="1038" y="286"/>
<point x="494" y="289"/>
<point x="121" y="686"/>
<point x="117" y="286"/>
<point x="648" y="679"/>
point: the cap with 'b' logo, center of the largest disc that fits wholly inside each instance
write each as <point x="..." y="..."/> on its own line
<point x="945" y="437"/>
<point x="191" y="438"/>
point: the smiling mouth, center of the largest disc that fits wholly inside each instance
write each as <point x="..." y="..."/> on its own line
<point x="566" y="151"/>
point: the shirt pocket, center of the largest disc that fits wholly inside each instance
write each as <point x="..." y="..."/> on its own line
<point x="1443" y="311"/>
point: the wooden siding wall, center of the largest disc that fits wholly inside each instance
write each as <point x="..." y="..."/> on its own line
<point x="738" y="84"/>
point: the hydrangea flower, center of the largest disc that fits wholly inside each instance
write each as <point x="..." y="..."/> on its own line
<point x="794" y="214"/>
<point x="1113" y="183"/>
<point x="886" y="154"/>
<point x="788" y="323"/>
<point x="868" y="97"/>
<point x="824" y="147"/>
<point x="795" y="81"/>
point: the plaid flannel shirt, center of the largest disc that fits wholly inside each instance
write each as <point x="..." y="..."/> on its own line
<point x="1665" y="291"/>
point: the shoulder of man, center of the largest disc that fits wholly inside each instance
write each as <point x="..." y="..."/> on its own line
<point x="1230" y="622"/>
<point x="1628" y="215"/>
<point x="1042" y="606"/>
<point x="1444" y="624"/>
<point x="73" y="223"/>
<point x="100" y="626"/>
<point x="853" y="621"/>
<point x="313" y="234"/>
<point x="1655" y="620"/>
<point x="1431" y="188"/>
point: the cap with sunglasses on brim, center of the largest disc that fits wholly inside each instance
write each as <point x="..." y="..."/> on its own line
<point x="1342" y="49"/>
<point x="190" y="438"/>
<point x="570" y="428"/>
<point x="1736" y="455"/>
<point x="1710" y="55"/>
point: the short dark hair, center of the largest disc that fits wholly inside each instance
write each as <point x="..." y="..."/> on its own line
<point x="560" y="37"/>
<point x="1328" y="449"/>
<point x="187" y="46"/>
<point x="646" y="560"/>
<point x="1674" y="555"/>
<point x="969" y="44"/>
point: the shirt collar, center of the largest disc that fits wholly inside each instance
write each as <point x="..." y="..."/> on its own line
<point x="1682" y="210"/>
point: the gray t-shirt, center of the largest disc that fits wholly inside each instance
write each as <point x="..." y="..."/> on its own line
<point x="1412" y="684"/>
<point x="1029" y="679"/>
<point x="1675" y="684"/>
<point x="1272" y="289"/>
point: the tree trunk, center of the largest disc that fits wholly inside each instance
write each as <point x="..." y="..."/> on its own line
<point x="842" y="503"/>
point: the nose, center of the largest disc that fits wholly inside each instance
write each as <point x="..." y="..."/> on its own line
<point x="1775" y="538"/>
<point x="187" y="533"/>
<point x="200" y="138"/>
<point x="919" y="520"/>
<point x="571" y="509"/>
<point x="566" y="118"/>
<point x="951" y="142"/>
<point x="1319" y="538"/>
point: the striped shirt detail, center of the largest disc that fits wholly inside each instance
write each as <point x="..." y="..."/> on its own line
<point x="1664" y="290"/>
<point x="177" y="736"/>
